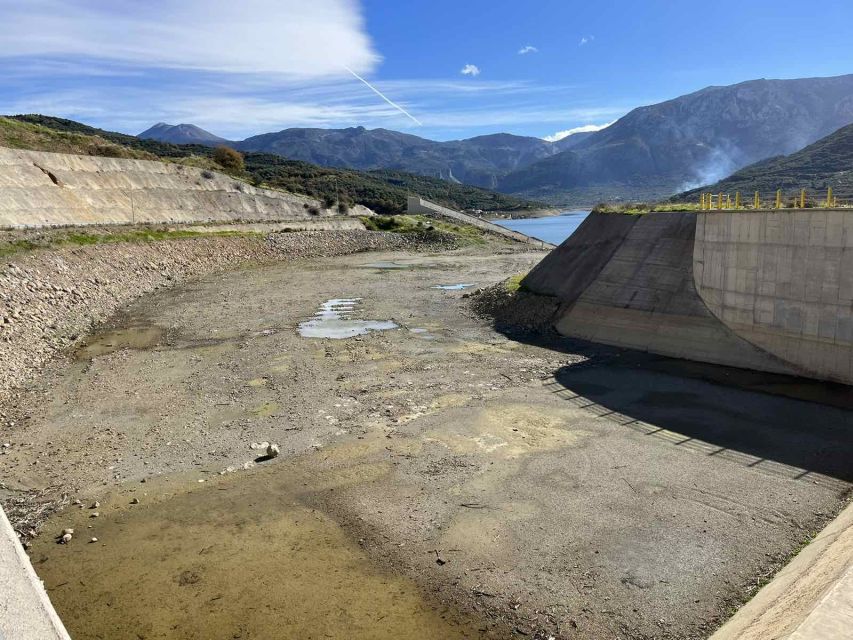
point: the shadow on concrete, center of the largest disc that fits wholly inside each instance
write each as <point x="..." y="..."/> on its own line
<point x="796" y="427"/>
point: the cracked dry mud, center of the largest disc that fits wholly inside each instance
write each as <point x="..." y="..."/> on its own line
<point x="438" y="480"/>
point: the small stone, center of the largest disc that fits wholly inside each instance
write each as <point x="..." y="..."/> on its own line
<point x="93" y="540"/>
<point x="68" y="532"/>
<point x="65" y="539"/>
<point x="273" y="451"/>
<point x="94" y="515"/>
<point x="134" y="501"/>
<point x="95" y="505"/>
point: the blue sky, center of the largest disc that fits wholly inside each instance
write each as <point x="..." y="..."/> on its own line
<point x="532" y="68"/>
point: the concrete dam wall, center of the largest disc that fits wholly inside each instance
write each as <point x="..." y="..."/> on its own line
<point x="51" y="189"/>
<point x="765" y="290"/>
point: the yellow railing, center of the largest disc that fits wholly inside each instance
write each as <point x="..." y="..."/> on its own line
<point x="724" y="201"/>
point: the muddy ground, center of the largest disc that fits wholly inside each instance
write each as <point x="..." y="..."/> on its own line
<point x="436" y="480"/>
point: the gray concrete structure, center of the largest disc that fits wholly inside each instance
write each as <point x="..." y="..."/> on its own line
<point x="765" y="290"/>
<point x="50" y="189"/>
<point x="810" y="599"/>
<point x="783" y="280"/>
<point x="25" y="610"/>
<point x="420" y="206"/>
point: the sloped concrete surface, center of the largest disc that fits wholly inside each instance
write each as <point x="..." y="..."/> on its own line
<point x="569" y="269"/>
<point x="764" y="290"/>
<point x="48" y="189"/>
<point x="425" y="207"/>
<point x="25" y="610"/>
<point x="810" y="599"/>
<point x="643" y="297"/>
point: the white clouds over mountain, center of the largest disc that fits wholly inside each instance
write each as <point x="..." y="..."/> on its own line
<point x="587" y="128"/>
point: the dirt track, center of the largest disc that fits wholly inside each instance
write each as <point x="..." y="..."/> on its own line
<point x="573" y="491"/>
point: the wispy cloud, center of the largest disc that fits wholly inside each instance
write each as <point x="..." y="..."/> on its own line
<point x="585" y="40"/>
<point x="527" y="49"/>
<point x="587" y="128"/>
<point x="470" y="70"/>
<point x="254" y="36"/>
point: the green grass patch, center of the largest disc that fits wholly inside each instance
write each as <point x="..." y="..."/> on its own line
<point x="413" y="224"/>
<point x="513" y="283"/>
<point x="639" y="208"/>
<point x="82" y="239"/>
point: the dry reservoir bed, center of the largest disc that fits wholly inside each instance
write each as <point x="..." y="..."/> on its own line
<point x="436" y="478"/>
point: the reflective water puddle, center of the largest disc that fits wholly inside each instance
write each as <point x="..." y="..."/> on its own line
<point x="334" y="320"/>
<point x="453" y="287"/>
<point x="137" y="337"/>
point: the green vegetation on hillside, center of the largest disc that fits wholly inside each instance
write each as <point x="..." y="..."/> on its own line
<point x="383" y="191"/>
<point x="25" y="135"/>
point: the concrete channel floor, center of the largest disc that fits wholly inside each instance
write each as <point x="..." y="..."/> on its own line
<point x="574" y="492"/>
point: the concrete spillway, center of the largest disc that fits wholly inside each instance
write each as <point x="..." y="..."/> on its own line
<point x="47" y="189"/>
<point x="765" y="290"/>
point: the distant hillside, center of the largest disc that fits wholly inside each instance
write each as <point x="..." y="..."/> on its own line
<point x="181" y="134"/>
<point x="382" y="191"/>
<point x="661" y="149"/>
<point x="827" y="162"/>
<point x="479" y="161"/>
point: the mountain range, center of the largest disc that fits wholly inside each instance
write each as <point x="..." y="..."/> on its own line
<point x="479" y="161"/>
<point x="650" y="153"/>
<point x="693" y="140"/>
<point x="181" y="134"/>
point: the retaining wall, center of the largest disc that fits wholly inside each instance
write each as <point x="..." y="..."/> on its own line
<point x="25" y="610"/>
<point x="50" y="189"/>
<point x="770" y="290"/>
<point x="784" y="282"/>
<point x="425" y="207"/>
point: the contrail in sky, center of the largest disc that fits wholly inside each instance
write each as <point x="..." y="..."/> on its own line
<point x="385" y="98"/>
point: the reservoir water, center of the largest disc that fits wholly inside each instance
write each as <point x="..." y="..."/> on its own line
<point x="552" y="229"/>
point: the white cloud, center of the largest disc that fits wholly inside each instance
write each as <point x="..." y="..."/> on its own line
<point x="470" y="70"/>
<point x="585" y="40"/>
<point x="527" y="49"/>
<point x="587" y="128"/>
<point x="254" y="36"/>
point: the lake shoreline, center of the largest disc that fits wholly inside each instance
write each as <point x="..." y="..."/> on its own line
<point x="554" y="229"/>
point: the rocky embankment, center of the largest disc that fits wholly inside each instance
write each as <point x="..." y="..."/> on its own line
<point x="50" y="298"/>
<point x="515" y="310"/>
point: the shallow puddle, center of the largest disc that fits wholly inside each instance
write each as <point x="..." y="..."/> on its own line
<point x="452" y="287"/>
<point x="239" y="557"/>
<point x="135" y="337"/>
<point x="334" y="320"/>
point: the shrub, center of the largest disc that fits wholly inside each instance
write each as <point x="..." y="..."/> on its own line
<point x="229" y="159"/>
